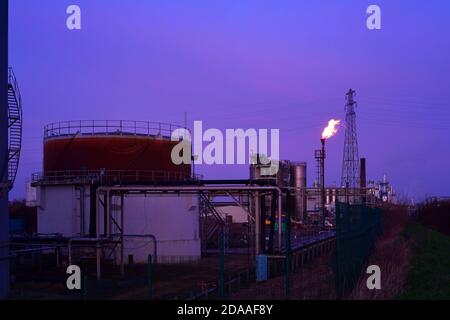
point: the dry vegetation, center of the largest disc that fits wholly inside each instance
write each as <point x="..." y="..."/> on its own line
<point x="392" y="253"/>
<point x="435" y="215"/>
<point x="313" y="281"/>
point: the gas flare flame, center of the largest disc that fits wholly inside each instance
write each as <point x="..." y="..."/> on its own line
<point x="331" y="129"/>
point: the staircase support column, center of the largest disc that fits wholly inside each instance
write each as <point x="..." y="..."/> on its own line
<point x="4" y="225"/>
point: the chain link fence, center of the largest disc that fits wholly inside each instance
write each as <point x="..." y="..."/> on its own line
<point x="357" y="227"/>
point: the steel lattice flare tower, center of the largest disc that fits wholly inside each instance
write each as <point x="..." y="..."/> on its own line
<point x="350" y="161"/>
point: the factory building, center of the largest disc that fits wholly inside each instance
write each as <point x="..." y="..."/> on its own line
<point x="109" y="189"/>
<point x="82" y="156"/>
<point x="305" y="201"/>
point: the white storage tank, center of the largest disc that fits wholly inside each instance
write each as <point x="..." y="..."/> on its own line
<point x="172" y="220"/>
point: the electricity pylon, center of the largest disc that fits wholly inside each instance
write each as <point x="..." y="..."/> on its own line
<point x="350" y="161"/>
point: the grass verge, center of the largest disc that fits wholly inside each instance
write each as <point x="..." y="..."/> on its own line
<point x="429" y="274"/>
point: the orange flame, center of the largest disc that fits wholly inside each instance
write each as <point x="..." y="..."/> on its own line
<point x="331" y="129"/>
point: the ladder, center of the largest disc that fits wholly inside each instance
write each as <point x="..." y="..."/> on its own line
<point x="212" y="220"/>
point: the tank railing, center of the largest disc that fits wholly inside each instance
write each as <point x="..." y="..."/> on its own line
<point x="112" y="175"/>
<point x="109" y="127"/>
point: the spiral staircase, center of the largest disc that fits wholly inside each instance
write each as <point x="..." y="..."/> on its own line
<point x="15" y="123"/>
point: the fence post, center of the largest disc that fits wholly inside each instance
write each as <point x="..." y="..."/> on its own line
<point x="85" y="287"/>
<point x="150" y="277"/>
<point x="338" y="267"/>
<point x="222" y="266"/>
<point x="288" y="247"/>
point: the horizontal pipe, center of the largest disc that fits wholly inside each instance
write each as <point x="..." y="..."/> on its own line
<point x="33" y="250"/>
<point x="8" y="257"/>
<point x="188" y="188"/>
<point x="225" y="189"/>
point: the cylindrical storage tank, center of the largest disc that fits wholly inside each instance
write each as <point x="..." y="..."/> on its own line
<point x="298" y="181"/>
<point x="128" y="150"/>
<point x="283" y="174"/>
<point x="259" y="163"/>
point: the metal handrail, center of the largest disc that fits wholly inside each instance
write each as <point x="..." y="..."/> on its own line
<point x="15" y="121"/>
<point x="13" y="82"/>
<point x="109" y="127"/>
<point x="106" y="175"/>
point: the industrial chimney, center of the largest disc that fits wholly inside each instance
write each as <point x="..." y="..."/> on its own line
<point x="362" y="179"/>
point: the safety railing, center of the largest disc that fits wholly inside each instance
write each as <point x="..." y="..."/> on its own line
<point x="108" y="176"/>
<point x="13" y="82"/>
<point x="109" y="127"/>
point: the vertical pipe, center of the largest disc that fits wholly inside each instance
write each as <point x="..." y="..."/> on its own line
<point x="347" y="197"/>
<point x="150" y="277"/>
<point x="249" y="232"/>
<point x="280" y="220"/>
<point x="222" y="266"/>
<point x="82" y="211"/>
<point x="109" y="213"/>
<point x="57" y="256"/>
<point x="97" y="235"/>
<point x="105" y="213"/>
<point x="273" y="209"/>
<point x="4" y="225"/>
<point x="97" y="207"/>
<point x="322" y="182"/>
<point x="93" y="210"/>
<point x="338" y="255"/>
<point x="122" y="232"/>
<point x="363" y="180"/>
<point x="262" y="225"/>
<point x="288" y="246"/>
<point x="85" y="287"/>
<point x="98" y="259"/>
<point x="69" y="246"/>
<point x="257" y="225"/>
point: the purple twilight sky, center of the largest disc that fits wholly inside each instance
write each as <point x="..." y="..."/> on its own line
<point x="249" y="64"/>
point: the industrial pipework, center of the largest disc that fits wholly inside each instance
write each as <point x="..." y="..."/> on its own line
<point x="322" y="181"/>
<point x="225" y="190"/>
